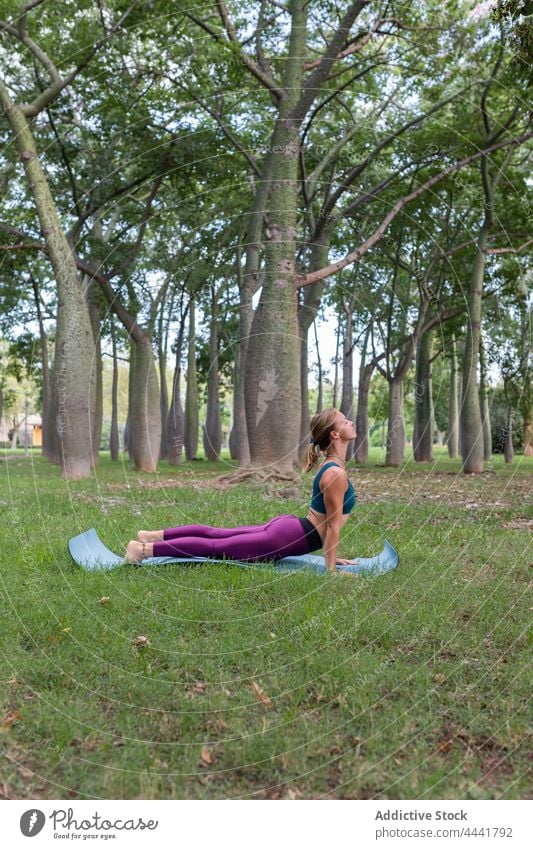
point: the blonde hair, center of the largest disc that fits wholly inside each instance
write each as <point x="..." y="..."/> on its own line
<point x="321" y="426"/>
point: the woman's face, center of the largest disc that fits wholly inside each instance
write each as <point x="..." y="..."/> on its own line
<point x="344" y="427"/>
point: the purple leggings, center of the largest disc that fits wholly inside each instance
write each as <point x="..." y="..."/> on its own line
<point x="281" y="537"/>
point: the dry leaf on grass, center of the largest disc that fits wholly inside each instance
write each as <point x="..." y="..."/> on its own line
<point x="205" y="757"/>
<point x="140" y="641"/>
<point x="260" y="694"/>
<point x="104" y="599"/>
<point x="10" y="718"/>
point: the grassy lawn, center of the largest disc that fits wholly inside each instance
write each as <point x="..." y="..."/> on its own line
<point x="255" y="683"/>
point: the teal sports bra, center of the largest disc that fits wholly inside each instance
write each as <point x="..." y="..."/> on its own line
<point x="317" y="499"/>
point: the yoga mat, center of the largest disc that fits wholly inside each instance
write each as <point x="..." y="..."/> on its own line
<point x="89" y="552"/>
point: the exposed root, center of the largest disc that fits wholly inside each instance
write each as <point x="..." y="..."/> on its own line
<point x="256" y="475"/>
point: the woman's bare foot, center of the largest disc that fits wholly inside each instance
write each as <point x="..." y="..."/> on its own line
<point x="150" y="536"/>
<point x="137" y="551"/>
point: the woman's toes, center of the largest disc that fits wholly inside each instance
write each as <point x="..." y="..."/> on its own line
<point x="134" y="552"/>
<point x="143" y="536"/>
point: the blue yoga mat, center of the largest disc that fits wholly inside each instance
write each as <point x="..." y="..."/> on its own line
<point x="89" y="552"/>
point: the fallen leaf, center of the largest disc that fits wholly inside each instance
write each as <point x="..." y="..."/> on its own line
<point x="10" y="718"/>
<point x="446" y="746"/>
<point x="260" y="694"/>
<point x="67" y="630"/>
<point x="104" y="599"/>
<point x="140" y="641"/>
<point x="206" y="756"/>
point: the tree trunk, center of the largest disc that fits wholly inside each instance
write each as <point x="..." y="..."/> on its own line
<point x="47" y="431"/>
<point x="74" y="377"/>
<point x="212" y="432"/>
<point x="366" y="371"/>
<point x="395" y="454"/>
<point x="163" y="400"/>
<point x="472" y="448"/>
<point x="93" y="299"/>
<point x="144" y="413"/>
<point x="423" y="425"/>
<point x="272" y="393"/>
<point x="114" y="443"/>
<point x="453" y="405"/>
<point x="508" y="450"/>
<point x="484" y="404"/>
<point x="528" y="437"/>
<point x="346" y="407"/>
<point x="175" y="422"/>
<point x="191" y="394"/>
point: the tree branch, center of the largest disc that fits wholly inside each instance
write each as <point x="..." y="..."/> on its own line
<point x="329" y="270"/>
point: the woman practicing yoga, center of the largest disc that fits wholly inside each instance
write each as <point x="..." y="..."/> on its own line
<point x="332" y="501"/>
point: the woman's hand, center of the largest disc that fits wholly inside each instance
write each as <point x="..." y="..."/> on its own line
<point x="342" y="561"/>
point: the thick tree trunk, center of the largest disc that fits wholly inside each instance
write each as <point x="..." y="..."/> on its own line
<point x="272" y="394"/>
<point x="144" y="413"/>
<point x="528" y="437"/>
<point x="395" y="453"/>
<point x="472" y="447"/>
<point x="346" y="407"/>
<point x="452" y="438"/>
<point x="484" y="404"/>
<point x="191" y="393"/>
<point x="212" y="431"/>
<point x="74" y="377"/>
<point x="423" y="425"/>
<point x="366" y="371"/>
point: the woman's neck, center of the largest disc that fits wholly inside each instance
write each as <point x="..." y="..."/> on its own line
<point x="340" y="457"/>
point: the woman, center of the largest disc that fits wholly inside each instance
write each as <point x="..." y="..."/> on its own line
<point x="332" y="501"/>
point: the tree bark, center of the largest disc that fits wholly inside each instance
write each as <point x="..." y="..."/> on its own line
<point x="272" y="389"/>
<point x="452" y="438"/>
<point x="114" y="442"/>
<point x="484" y="404"/>
<point x="74" y="377"/>
<point x="144" y="413"/>
<point x="423" y="424"/>
<point x="395" y="453"/>
<point x="472" y="447"/>
<point x="191" y="394"/>
<point x="212" y="431"/>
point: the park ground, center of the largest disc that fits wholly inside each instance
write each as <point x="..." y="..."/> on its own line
<point x="251" y="683"/>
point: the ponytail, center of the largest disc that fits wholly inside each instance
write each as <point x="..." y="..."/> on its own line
<point x="312" y="454"/>
<point x="321" y="426"/>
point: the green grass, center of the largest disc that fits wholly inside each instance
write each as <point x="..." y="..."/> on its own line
<point x="412" y="685"/>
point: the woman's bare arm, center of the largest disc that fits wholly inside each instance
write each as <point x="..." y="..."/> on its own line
<point x="334" y="486"/>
